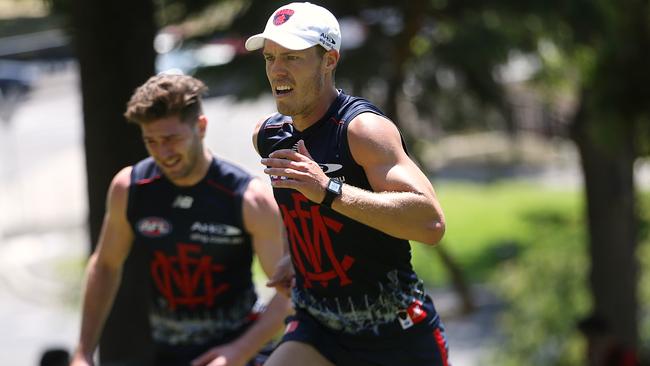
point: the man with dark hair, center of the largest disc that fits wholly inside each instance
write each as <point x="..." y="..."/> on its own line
<point x="351" y="198"/>
<point x="200" y="219"/>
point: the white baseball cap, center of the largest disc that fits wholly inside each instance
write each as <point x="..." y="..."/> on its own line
<point x="298" y="26"/>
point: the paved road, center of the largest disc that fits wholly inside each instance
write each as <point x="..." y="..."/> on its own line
<point x="43" y="241"/>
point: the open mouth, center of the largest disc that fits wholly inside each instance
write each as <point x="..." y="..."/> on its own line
<point x="283" y="90"/>
<point x="170" y="163"/>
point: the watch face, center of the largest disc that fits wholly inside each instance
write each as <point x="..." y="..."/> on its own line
<point x="334" y="186"/>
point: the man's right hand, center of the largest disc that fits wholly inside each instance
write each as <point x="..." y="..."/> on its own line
<point x="283" y="278"/>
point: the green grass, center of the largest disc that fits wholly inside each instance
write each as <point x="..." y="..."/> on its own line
<point x="487" y="224"/>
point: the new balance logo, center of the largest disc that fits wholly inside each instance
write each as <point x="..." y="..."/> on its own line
<point x="184" y="202"/>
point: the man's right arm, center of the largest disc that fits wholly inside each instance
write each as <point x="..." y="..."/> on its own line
<point x="104" y="269"/>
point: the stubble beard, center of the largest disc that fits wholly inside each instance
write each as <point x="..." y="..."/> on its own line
<point x="305" y="103"/>
<point x="190" y="163"/>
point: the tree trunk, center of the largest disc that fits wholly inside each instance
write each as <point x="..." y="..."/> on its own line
<point x="612" y="223"/>
<point x="114" y="45"/>
<point x="414" y="12"/>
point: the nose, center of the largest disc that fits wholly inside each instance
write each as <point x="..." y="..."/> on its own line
<point x="162" y="150"/>
<point x="277" y="68"/>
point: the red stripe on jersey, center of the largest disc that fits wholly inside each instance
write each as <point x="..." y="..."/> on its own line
<point x="147" y="180"/>
<point x="442" y="346"/>
<point x="220" y="187"/>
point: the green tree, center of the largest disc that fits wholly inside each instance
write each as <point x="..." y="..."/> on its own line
<point x="113" y="42"/>
<point x="610" y="130"/>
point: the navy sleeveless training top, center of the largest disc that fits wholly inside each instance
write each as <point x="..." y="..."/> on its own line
<point x="200" y="254"/>
<point x="350" y="277"/>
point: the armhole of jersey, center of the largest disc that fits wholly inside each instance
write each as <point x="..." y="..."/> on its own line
<point x="261" y="146"/>
<point x="139" y="170"/>
<point x="240" y="201"/>
<point x="131" y="194"/>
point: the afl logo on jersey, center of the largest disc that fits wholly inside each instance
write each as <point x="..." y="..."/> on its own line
<point x="154" y="227"/>
<point x="282" y="16"/>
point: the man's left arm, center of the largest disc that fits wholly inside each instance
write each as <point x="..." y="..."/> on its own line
<point x="262" y="220"/>
<point x="402" y="202"/>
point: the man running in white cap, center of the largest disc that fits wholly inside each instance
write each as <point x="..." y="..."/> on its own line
<point x="351" y="199"/>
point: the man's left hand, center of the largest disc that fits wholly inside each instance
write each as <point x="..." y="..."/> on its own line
<point x="284" y="277"/>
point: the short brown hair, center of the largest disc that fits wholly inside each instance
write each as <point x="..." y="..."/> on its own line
<point x="166" y="95"/>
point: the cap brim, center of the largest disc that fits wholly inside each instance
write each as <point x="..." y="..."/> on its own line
<point x="285" y="40"/>
<point x="255" y="42"/>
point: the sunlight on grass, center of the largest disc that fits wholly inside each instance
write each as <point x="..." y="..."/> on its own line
<point x="489" y="223"/>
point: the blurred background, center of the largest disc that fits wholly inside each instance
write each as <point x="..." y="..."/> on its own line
<point x="531" y="118"/>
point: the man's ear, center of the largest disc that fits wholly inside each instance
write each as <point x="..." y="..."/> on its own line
<point x="331" y="59"/>
<point x="202" y="125"/>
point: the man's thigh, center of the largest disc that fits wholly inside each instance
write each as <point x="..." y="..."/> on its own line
<point x="292" y="353"/>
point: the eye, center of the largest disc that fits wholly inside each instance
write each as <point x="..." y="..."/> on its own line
<point x="172" y="138"/>
<point x="268" y="58"/>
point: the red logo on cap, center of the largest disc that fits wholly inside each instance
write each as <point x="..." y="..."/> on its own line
<point x="282" y="16"/>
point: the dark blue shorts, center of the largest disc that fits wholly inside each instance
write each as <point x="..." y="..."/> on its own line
<point x="423" y="344"/>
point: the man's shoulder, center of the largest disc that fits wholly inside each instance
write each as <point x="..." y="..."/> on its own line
<point x="145" y="171"/>
<point x="371" y="127"/>
<point x="228" y="175"/>
<point x="122" y="180"/>
<point x="119" y="189"/>
<point x="227" y="167"/>
<point x="353" y="106"/>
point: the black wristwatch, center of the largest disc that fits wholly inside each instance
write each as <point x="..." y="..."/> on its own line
<point x="333" y="190"/>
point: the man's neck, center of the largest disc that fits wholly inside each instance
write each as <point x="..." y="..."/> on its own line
<point x="302" y="122"/>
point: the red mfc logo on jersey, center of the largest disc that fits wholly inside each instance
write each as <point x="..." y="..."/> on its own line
<point x="187" y="278"/>
<point x="311" y="244"/>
